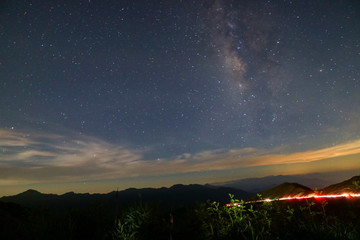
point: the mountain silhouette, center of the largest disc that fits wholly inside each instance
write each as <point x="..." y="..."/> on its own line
<point x="287" y="190"/>
<point x="29" y="193"/>
<point x="175" y="195"/>
<point x="344" y="187"/>
<point x="257" y="185"/>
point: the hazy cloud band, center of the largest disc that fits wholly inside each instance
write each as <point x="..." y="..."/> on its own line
<point x="35" y="157"/>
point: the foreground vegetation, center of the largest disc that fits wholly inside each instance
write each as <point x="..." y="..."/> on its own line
<point x="307" y="219"/>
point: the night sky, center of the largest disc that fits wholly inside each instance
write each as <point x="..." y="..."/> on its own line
<point x="99" y="95"/>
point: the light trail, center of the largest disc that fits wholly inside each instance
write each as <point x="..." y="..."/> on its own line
<point x="311" y="196"/>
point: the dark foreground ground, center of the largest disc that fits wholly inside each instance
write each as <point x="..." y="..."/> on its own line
<point x="310" y="219"/>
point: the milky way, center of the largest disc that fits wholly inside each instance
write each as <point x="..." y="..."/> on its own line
<point x="176" y="91"/>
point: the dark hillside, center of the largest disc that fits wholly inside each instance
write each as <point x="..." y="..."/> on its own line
<point x="286" y="190"/>
<point x="175" y="195"/>
<point x="344" y="187"/>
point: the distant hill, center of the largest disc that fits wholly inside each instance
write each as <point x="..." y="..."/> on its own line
<point x="31" y="196"/>
<point x="286" y="190"/>
<point x="343" y="187"/>
<point x="257" y="185"/>
<point x="297" y="190"/>
<point x="175" y="195"/>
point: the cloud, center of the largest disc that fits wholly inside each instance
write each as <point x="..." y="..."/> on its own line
<point x="36" y="156"/>
<point x="39" y="157"/>
<point x="237" y="158"/>
<point x="13" y="139"/>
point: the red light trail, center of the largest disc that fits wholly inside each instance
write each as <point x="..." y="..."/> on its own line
<point x="311" y="196"/>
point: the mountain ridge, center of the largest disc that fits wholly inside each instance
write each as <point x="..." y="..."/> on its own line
<point x="348" y="185"/>
<point x="287" y="189"/>
<point x="297" y="190"/>
<point x="177" y="194"/>
<point x="257" y="185"/>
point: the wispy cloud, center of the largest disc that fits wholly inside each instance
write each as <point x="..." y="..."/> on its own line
<point x="237" y="158"/>
<point x="36" y="157"/>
